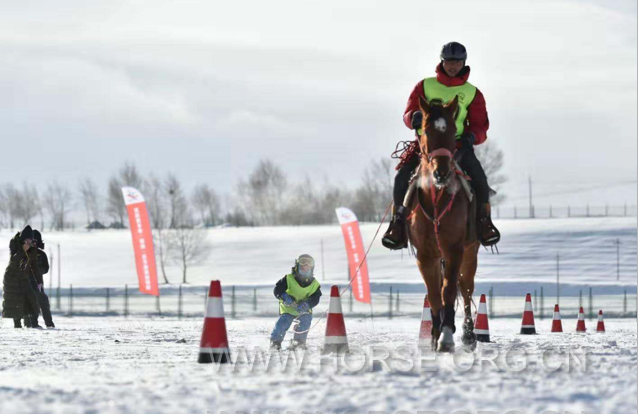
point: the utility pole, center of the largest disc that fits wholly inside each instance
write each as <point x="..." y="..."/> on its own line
<point x="558" y="279"/>
<point x="617" y="243"/>
<point x="531" y="204"/>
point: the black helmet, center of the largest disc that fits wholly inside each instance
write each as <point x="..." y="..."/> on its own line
<point x="304" y="259"/>
<point x="453" y="51"/>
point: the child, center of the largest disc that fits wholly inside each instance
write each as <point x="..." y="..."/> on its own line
<point x="298" y="293"/>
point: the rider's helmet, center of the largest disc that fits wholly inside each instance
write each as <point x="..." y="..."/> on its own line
<point x="453" y="51"/>
<point x="304" y="278"/>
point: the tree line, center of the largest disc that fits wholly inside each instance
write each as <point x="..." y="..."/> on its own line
<point x="265" y="197"/>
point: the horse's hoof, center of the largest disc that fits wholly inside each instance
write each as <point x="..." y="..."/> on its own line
<point x="469" y="338"/>
<point x="446" y="340"/>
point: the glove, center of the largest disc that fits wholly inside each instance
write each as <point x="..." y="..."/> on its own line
<point x="40" y="288"/>
<point x="303" y="307"/>
<point x="287" y="299"/>
<point x="467" y="140"/>
<point x="417" y="120"/>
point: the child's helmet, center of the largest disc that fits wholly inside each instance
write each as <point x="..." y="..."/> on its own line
<point x="307" y="260"/>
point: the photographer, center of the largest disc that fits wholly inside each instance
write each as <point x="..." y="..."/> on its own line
<point x="40" y="266"/>
<point x="19" y="298"/>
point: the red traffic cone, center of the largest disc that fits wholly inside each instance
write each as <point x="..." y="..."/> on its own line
<point x="214" y="343"/>
<point x="580" y="325"/>
<point x="601" y="323"/>
<point x="557" y="325"/>
<point x="336" y="339"/>
<point x="481" y="327"/>
<point x="425" y="333"/>
<point x="528" y="327"/>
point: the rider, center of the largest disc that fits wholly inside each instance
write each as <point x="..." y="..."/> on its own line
<point x="471" y="123"/>
<point x="298" y="293"/>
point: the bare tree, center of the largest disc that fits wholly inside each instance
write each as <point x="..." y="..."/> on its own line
<point x="29" y="202"/>
<point x="158" y="211"/>
<point x="375" y="192"/>
<point x="207" y="203"/>
<point x="264" y="191"/>
<point x="90" y="199"/>
<point x="491" y="158"/>
<point x="115" y="201"/>
<point x="179" y="214"/>
<point x="4" y="208"/>
<point x="190" y="247"/>
<point x="57" y="200"/>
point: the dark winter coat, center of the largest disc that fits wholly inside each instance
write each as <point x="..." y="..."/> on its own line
<point x="40" y="266"/>
<point x="18" y="295"/>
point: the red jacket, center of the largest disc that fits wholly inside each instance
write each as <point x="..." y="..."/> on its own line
<point x="477" y="121"/>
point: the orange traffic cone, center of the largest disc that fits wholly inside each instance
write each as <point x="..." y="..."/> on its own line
<point x="425" y="333"/>
<point x="214" y="343"/>
<point x="580" y="325"/>
<point x="557" y="325"/>
<point x="336" y="339"/>
<point x="528" y="327"/>
<point x="481" y="327"/>
<point x="601" y="323"/>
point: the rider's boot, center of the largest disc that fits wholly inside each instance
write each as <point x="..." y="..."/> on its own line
<point x="487" y="232"/>
<point x="395" y="238"/>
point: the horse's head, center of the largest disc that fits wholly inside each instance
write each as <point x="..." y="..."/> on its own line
<point x="438" y="141"/>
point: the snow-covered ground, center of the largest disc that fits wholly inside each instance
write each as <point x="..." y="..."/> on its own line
<point x="116" y="365"/>
<point x="260" y="256"/>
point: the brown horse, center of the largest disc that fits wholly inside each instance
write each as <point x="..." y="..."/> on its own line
<point x="437" y="228"/>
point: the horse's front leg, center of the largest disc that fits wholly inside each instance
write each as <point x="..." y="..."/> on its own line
<point x="431" y="274"/>
<point x="466" y="284"/>
<point x="453" y="260"/>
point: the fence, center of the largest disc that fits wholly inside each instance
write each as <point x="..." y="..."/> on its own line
<point x="514" y="212"/>
<point x="245" y="301"/>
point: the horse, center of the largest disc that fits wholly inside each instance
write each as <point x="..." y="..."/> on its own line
<point x="437" y="227"/>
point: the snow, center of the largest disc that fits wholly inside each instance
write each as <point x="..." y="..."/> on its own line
<point x="143" y="365"/>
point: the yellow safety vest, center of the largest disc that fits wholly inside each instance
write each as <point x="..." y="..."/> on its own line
<point x="436" y="92"/>
<point x="297" y="293"/>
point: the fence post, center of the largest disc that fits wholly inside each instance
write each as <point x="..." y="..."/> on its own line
<point x="569" y="211"/>
<point x="591" y="305"/>
<point x="159" y="306"/>
<point x="397" y="302"/>
<point x="624" y="304"/>
<point x="535" y="301"/>
<point x="179" y="303"/>
<point x="587" y="211"/>
<point x="71" y="301"/>
<point x="515" y="214"/>
<point x="542" y="308"/>
<point x="550" y="211"/>
<point x="126" y="301"/>
<point x="625" y="209"/>
<point x="491" y="295"/>
<point x="390" y="304"/>
<point x="232" y="303"/>
<point x="255" y="300"/>
<point x="580" y="299"/>
<point x="606" y="210"/>
<point x="108" y="300"/>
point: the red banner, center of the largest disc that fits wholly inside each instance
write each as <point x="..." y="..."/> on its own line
<point x="356" y="253"/>
<point x="142" y="240"/>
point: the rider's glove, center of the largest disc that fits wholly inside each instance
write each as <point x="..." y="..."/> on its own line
<point x="467" y="140"/>
<point x="287" y="299"/>
<point x="417" y="120"/>
<point x="303" y="307"/>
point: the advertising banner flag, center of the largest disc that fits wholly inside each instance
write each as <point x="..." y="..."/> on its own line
<point x="356" y="253"/>
<point x="142" y="240"/>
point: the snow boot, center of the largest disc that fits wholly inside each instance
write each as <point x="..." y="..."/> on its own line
<point x="275" y="345"/>
<point x="299" y="345"/>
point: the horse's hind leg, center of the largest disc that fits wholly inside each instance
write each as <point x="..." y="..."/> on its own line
<point x="431" y="274"/>
<point x="466" y="284"/>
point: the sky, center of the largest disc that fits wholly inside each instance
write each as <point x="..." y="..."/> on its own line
<point x="204" y="89"/>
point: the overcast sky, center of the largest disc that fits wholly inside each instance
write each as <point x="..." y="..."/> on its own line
<point x="207" y="88"/>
